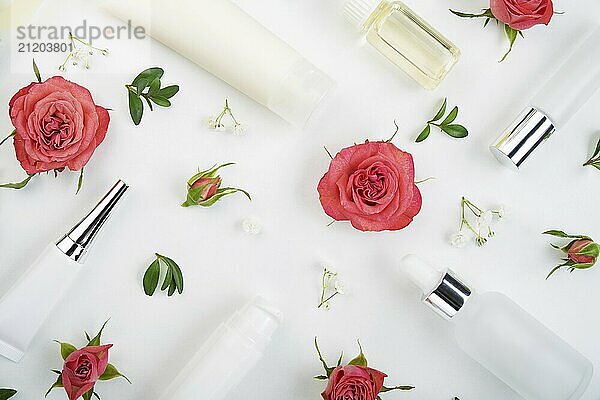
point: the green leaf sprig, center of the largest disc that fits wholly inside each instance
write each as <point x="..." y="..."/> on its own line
<point x="360" y="360"/>
<point x="66" y="349"/>
<point x="147" y="86"/>
<point x="446" y="125"/>
<point x="6" y="394"/>
<point x="594" y="160"/>
<point x="173" y="279"/>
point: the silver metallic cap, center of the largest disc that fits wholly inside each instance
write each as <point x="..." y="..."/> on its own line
<point x="521" y="137"/>
<point x="449" y="297"/>
<point x="77" y="242"/>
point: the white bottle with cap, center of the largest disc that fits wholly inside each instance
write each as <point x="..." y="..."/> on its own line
<point x="502" y="337"/>
<point x="404" y="38"/>
<point x="228" y="355"/>
<point x="227" y="42"/>
<point x="555" y="104"/>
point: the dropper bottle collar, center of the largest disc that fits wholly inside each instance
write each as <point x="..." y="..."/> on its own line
<point x="442" y="290"/>
<point x="77" y="242"/>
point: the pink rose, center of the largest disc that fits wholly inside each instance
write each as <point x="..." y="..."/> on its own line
<point x="209" y="185"/>
<point x="372" y="186"/>
<point x="576" y="247"/>
<point x="354" y="382"/>
<point x="82" y="369"/>
<point x="522" y="14"/>
<point x="57" y="125"/>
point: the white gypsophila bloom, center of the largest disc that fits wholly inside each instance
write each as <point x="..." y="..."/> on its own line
<point x="239" y="129"/>
<point x="220" y="128"/>
<point x="340" y="286"/>
<point x="504" y="212"/>
<point x="459" y="239"/>
<point x="251" y="226"/>
<point x="486" y="218"/>
<point x="211" y="122"/>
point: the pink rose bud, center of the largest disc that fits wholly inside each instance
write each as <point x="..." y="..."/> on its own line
<point x="581" y="252"/>
<point x="354" y="382"/>
<point x="204" y="188"/>
<point x="83" y="368"/>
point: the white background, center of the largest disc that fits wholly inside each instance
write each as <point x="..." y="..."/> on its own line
<point x="280" y="166"/>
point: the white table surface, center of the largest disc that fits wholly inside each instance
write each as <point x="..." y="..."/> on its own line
<point x="281" y="166"/>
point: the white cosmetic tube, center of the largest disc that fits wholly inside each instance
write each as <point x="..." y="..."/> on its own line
<point x="220" y="37"/>
<point x="29" y="302"/>
<point x="233" y="349"/>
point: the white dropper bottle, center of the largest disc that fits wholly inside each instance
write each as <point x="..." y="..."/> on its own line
<point x="228" y="355"/>
<point x="561" y="97"/>
<point x="502" y="337"/>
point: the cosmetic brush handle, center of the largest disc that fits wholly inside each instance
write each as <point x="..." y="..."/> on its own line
<point x="27" y="304"/>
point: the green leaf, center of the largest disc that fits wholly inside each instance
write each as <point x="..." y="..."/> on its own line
<point x="160" y="101"/>
<point x="321" y="377"/>
<point x="57" y="384"/>
<point x="79" y="181"/>
<point x="451" y="117"/>
<point x="151" y="278"/>
<point x="556" y="269"/>
<point x="328" y="370"/>
<point x="154" y="86"/>
<point x="66" y="349"/>
<point x="145" y="77"/>
<point x="36" y="71"/>
<point x="339" y="362"/>
<point x="172" y="288"/>
<point x="169" y="91"/>
<point x="591" y="250"/>
<point x="19" y="185"/>
<point x="511" y="34"/>
<point x="168" y="279"/>
<point x="88" y="395"/>
<point x="455" y="130"/>
<point x="424" y="134"/>
<point x="441" y="111"/>
<point x="96" y="339"/>
<point x="593" y="161"/>
<point x="136" y="107"/>
<point x="360" y="360"/>
<point x="389" y="389"/>
<point x="485" y="14"/>
<point x="176" y="272"/>
<point x="112" y="372"/>
<point x="6" y="394"/>
<point x="8" y="137"/>
<point x="562" y="234"/>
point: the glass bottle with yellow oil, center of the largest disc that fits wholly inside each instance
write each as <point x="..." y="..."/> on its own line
<point x="405" y="39"/>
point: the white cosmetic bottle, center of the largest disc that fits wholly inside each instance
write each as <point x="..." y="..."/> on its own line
<point x="29" y="302"/>
<point x="220" y="37"/>
<point x="228" y="355"/>
<point x="504" y="338"/>
<point x="554" y="105"/>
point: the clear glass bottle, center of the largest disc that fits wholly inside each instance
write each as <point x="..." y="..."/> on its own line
<point x="405" y="39"/>
<point x="504" y="338"/>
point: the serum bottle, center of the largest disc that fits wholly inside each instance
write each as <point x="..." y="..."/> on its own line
<point x="502" y="337"/>
<point x="404" y="38"/>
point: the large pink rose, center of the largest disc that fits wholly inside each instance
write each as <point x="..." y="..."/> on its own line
<point x="57" y="125"/>
<point x="83" y="368"/>
<point x="372" y="185"/>
<point x="354" y="382"/>
<point x="522" y="14"/>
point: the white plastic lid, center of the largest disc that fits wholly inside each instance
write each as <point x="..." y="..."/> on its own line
<point x="358" y="11"/>
<point x="423" y="275"/>
<point x="300" y="93"/>
<point x="257" y="320"/>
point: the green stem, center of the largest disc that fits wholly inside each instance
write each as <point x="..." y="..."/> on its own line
<point x="8" y="137"/>
<point x="327" y="299"/>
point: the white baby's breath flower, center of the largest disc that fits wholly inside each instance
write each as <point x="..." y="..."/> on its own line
<point x="504" y="212"/>
<point x="239" y="129"/>
<point x="340" y="286"/>
<point x="251" y="226"/>
<point x="459" y="239"/>
<point x="212" y="122"/>
<point x="485" y="219"/>
<point x="220" y="128"/>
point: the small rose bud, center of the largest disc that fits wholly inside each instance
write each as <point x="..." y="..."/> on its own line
<point x="204" y="188"/>
<point x="583" y="251"/>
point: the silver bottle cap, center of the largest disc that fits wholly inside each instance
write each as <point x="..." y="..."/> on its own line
<point x="78" y="241"/>
<point x="522" y="137"/>
<point x="449" y="297"/>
